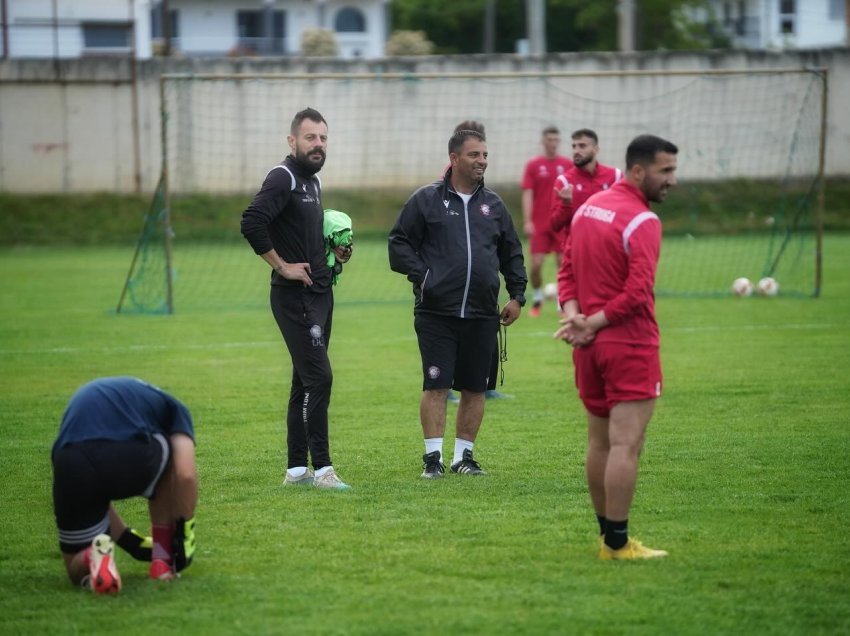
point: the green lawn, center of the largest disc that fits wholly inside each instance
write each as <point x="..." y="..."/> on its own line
<point x="744" y="480"/>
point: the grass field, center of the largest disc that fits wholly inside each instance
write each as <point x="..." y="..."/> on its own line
<point x="744" y="480"/>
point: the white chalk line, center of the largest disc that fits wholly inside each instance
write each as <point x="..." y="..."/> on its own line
<point x="262" y="344"/>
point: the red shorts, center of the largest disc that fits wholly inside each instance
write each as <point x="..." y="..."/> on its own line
<point x="608" y="373"/>
<point x="545" y="241"/>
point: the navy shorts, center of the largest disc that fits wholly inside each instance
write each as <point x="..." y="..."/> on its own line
<point x="88" y="475"/>
<point x="456" y="352"/>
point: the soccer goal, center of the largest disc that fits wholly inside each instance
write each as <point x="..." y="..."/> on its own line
<point x="750" y="168"/>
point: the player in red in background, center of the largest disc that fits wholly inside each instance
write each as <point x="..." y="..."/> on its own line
<point x="606" y="290"/>
<point x="577" y="184"/>
<point x="537" y="182"/>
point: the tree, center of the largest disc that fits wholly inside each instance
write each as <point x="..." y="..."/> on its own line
<point x="457" y="26"/>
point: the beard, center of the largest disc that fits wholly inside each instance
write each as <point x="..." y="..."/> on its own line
<point x="583" y="161"/>
<point x="657" y="195"/>
<point x="311" y="161"/>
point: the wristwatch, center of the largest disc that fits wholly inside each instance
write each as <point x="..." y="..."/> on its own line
<point x="520" y="298"/>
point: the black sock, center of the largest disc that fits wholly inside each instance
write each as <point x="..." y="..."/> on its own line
<point x="602" y="522"/>
<point x="616" y="534"/>
<point x="135" y="544"/>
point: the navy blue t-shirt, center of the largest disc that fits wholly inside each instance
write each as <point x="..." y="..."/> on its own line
<point x="121" y="409"/>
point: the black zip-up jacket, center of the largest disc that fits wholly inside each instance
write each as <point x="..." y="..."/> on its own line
<point x="287" y="215"/>
<point x="453" y="253"/>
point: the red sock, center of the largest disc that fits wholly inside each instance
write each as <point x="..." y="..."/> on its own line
<point x="162" y="536"/>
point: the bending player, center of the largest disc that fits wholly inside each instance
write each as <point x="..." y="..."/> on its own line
<point x="121" y="437"/>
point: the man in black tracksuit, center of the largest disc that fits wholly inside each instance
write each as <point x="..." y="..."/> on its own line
<point x="283" y="224"/>
<point x="452" y="239"/>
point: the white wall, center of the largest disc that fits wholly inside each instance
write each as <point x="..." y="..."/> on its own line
<point x="44" y="29"/>
<point x="75" y="134"/>
<point x="371" y="43"/>
<point x="813" y="27"/>
<point x="209" y="28"/>
<point x="204" y="27"/>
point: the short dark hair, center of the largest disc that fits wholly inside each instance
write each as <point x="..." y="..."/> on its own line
<point x="551" y="130"/>
<point x="308" y="113"/>
<point x="471" y="124"/>
<point x="643" y="148"/>
<point x="585" y="132"/>
<point x="459" y="137"/>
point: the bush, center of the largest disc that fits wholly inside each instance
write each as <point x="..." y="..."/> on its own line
<point x="409" y="43"/>
<point x="318" y="43"/>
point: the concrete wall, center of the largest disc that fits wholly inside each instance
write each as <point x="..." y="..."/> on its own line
<point x="68" y="126"/>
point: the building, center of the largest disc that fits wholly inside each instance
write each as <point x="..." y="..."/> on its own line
<point x="76" y="28"/>
<point x="783" y="24"/>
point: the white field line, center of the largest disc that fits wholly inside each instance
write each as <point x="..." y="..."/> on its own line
<point x="262" y="344"/>
<point x="150" y="347"/>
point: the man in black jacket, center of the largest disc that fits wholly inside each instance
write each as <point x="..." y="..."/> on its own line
<point x="283" y="224"/>
<point x="452" y="239"/>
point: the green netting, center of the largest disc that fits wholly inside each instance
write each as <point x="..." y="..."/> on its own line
<point x="748" y="168"/>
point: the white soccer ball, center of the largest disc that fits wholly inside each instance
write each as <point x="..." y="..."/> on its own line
<point x="768" y="286"/>
<point x="742" y="287"/>
<point x="550" y="291"/>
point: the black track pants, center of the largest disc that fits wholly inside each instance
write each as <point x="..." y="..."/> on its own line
<point x="304" y="319"/>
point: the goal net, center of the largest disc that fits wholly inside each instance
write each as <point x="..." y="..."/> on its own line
<point x="750" y="166"/>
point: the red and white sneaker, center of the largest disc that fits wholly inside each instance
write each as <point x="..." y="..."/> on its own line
<point x="534" y="312"/>
<point x="161" y="571"/>
<point x="104" y="577"/>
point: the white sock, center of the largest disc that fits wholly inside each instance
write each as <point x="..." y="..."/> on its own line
<point x="323" y="470"/>
<point x="434" y="444"/>
<point x="460" y="446"/>
<point x="296" y="471"/>
<point x="538" y="295"/>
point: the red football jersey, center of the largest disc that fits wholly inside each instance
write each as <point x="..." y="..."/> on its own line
<point x="584" y="185"/>
<point x="610" y="261"/>
<point x="539" y="176"/>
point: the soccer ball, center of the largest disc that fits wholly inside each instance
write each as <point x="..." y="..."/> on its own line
<point x="768" y="286"/>
<point x="742" y="287"/>
<point x="550" y="291"/>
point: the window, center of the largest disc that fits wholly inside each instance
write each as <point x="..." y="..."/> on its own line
<point x="261" y="31"/>
<point x="156" y="23"/>
<point x="787" y="16"/>
<point x="741" y="22"/>
<point x="350" y="20"/>
<point x="836" y="9"/>
<point x="104" y="36"/>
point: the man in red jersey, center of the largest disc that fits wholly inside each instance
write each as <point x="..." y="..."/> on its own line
<point x="606" y="290"/>
<point x="537" y="182"/>
<point x="577" y="184"/>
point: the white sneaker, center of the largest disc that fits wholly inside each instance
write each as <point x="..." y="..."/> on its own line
<point x="104" y="575"/>
<point x="330" y="480"/>
<point x="306" y="479"/>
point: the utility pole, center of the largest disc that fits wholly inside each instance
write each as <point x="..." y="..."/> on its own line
<point x="847" y="22"/>
<point x="166" y="29"/>
<point x="5" y="29"/>
<point x="536" y="18"/>
<point x="626" y="18"/>
<point x="490" y="26"/>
